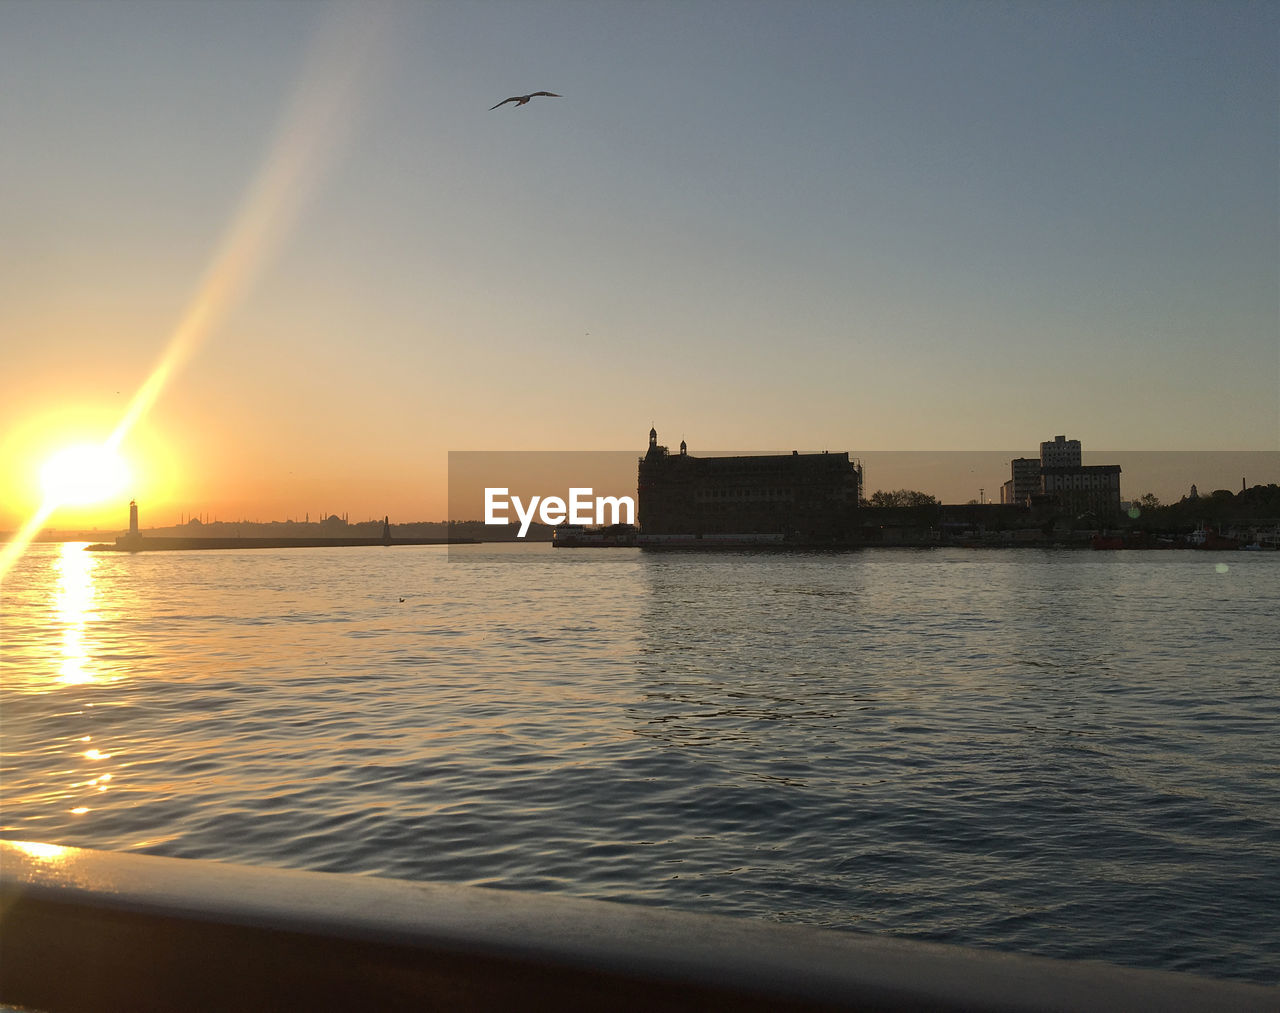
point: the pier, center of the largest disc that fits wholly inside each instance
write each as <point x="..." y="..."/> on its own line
<point x="146" y="543"/>
<point x="136" y="541"/>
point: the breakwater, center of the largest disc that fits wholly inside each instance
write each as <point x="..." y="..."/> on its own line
<point x="148" y="544"/>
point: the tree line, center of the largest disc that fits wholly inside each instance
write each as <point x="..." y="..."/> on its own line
<point x="1261" y="503"/>
<point x="900" y="498"/>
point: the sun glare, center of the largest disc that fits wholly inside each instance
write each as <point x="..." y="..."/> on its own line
<point x="84" y="475"/>
<point x="317" y="120"/>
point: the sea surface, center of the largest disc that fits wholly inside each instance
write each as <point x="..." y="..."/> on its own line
<point x="1065" y="753"/>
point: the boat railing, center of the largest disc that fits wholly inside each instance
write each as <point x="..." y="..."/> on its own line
<point x="104" y="931"/>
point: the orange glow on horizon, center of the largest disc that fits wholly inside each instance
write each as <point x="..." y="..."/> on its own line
<point x="315" y="122"/>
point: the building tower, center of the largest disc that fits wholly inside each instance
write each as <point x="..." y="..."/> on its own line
<point x="1060" y="453"/>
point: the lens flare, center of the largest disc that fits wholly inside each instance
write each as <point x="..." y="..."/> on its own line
<point x="314" y="124"/>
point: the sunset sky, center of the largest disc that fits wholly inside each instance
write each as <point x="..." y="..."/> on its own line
<point x="860" y="226"/>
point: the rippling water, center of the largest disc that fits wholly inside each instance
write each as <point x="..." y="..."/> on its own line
<point x="1073" y="754"/>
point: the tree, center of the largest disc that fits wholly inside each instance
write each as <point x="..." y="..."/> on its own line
<point x="901" y="498"/>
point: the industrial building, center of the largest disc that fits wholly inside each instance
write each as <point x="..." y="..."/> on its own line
<point x="1059" y="480"/>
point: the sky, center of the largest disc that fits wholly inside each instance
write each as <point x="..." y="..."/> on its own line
<point x="288" y="255"/>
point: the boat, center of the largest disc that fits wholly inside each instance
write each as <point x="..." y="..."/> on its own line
<point x="590" y="536"/>
<point x="713" y="541"/>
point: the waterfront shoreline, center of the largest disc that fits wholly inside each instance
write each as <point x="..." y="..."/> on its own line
<point x="144" y="544"/>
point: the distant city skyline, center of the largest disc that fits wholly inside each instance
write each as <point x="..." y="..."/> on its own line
<point x="1169" y="475"/>
<point x="286" y="255"/>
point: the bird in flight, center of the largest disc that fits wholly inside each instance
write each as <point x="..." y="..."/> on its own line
<point x="524" y="99"/>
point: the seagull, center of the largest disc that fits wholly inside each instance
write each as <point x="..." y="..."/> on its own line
<point x="524" y="99"/>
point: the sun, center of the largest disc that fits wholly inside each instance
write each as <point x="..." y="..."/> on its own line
<point x="83" y="475"/>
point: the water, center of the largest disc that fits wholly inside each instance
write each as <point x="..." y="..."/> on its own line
<point x="1071" y="754"/>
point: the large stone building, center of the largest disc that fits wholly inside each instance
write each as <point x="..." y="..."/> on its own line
<point x="1059" y="480"/>
<point x="796" y="498"/>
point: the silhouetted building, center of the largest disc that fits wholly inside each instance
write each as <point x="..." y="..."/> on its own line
<point x="807" y="498"/>
<point x="1060" y="453"/>
<point x="1025" y="482"/>
<point x="1058" y="480"/>
<point x="1089" y="488"/>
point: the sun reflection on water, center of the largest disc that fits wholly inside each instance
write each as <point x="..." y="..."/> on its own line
<point x="73" y="602"/>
